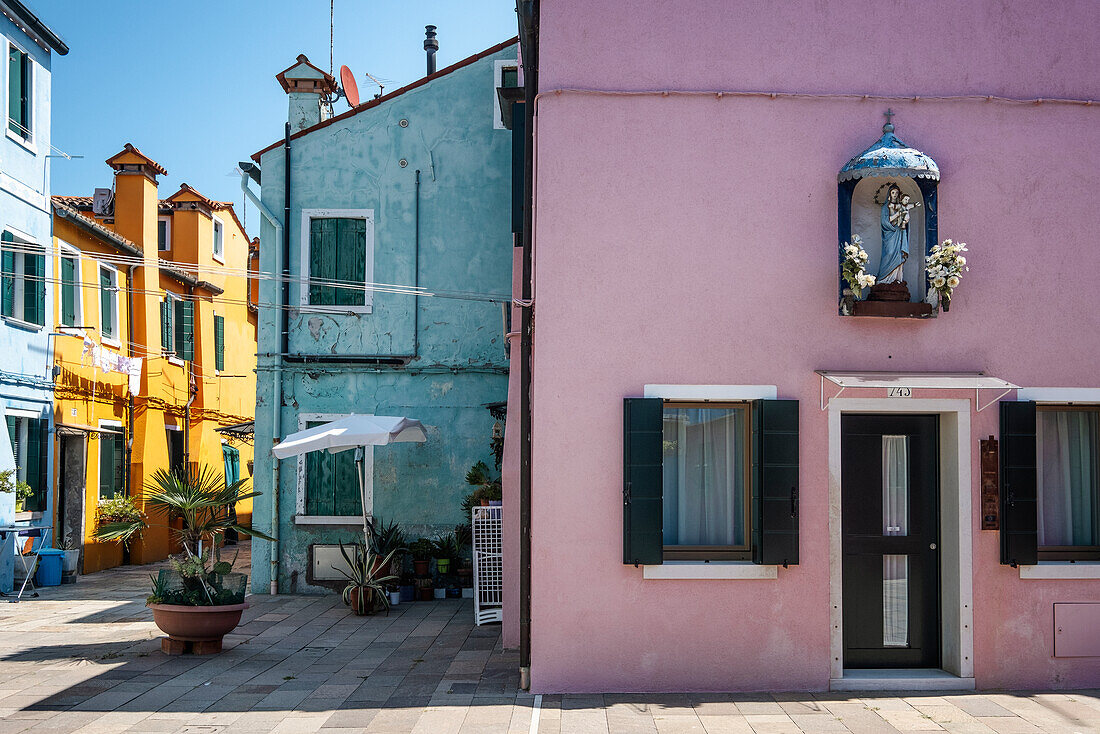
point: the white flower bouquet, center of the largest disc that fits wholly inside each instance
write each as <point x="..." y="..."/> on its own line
<point x="852" y="268"/>
<point x="945" y="267"/>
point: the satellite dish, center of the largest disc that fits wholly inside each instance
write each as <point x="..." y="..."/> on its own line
<point x="351" y="91"/>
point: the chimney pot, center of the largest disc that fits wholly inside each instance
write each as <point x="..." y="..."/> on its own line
<point x="431" y="45"/>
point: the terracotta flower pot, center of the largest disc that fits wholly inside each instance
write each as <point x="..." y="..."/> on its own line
<point x="420" y="567"/>
<point x="425" y="593"/>
<point x="362" y="601"/>
<point x="206" y="625"/>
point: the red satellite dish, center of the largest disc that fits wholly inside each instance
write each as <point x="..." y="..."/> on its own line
<point x="351" y="90"/>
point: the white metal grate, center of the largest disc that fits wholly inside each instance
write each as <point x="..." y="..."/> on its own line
<point x="488" y="526"/>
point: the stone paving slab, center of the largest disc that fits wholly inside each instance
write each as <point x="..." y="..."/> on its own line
<point x="85" y="658"/>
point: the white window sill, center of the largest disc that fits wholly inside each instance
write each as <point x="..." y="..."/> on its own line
<point x="715" y="570"/>
<point x="18" y="139"/>
<point x="21" y="324"/>
<point x="218" y="258"/>
<point x="346" y="520"/>
<point x="174" y="360"/>
<point x="109" y="342"/>
<point x="1062" y="570"/>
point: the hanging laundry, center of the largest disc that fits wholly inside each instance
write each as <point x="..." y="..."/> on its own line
<point x="131" y="366"/>
<point x="89" y="349"/>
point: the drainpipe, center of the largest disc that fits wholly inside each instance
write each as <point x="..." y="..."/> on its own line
<point x="282" y="236"/>
<point x="416" y="273"/>
<point x="130" y="398"/>
<point x="192" y="393"/>
<point x="528" y="11"/>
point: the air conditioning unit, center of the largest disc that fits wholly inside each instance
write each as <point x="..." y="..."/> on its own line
<point x="103" y="202"/>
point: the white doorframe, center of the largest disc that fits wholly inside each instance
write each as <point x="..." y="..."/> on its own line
<point x="956" y="527"/>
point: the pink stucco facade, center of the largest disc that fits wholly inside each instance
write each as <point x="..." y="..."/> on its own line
<point x="692" y="239"/>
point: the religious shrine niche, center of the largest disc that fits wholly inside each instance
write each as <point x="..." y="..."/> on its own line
<point x="886" y="212"/>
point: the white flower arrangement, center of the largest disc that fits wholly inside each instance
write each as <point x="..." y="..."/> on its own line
<point x="852" y="269"/>
<point x="945" y="266"/>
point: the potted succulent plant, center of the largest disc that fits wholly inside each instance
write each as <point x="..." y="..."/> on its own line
<point x="387" y="540"/>
<point x="199" y="600"/>
<point x="445" y="549"/>
<point x="366" y="588"/>
<point x="422" y="553"/>
<point x="424" y="588"/>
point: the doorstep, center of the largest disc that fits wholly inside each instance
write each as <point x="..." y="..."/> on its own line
<point x="900" y="679"/>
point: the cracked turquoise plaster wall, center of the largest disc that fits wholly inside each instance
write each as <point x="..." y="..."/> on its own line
<point x="465" y="245"/>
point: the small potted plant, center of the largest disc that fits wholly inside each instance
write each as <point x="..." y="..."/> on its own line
<point x="366" y="588"/>
<point x="424" y="588"/>
<point x="445" y="548"/>
<point x="199" y="600"/>
<point x="71" y="559"/>
<point x="422" y="553"/>
<point x="23" y="492"/>
<point x="945" y="266"/>
<point x="387" y="540"/>
<point x="119" y="511"/>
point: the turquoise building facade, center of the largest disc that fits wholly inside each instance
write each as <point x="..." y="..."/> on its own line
<point x="399" y="234"/>
<point x="26" y="307"/>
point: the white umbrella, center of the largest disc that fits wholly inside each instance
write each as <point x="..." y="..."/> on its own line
<point x="352" y="432"/>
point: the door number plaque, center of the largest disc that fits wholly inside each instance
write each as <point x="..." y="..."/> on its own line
<point x="991" y="506"/>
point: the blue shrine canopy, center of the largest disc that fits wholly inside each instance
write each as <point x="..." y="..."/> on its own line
<point x="889" y="156"/>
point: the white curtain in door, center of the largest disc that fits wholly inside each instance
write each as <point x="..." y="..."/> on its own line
<point x="704" y="469"/>
<point x="1069" y="477"/>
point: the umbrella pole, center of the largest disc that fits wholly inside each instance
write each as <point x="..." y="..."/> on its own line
<point x="362" y="495"/>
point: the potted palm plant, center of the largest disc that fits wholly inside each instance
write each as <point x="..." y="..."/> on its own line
<point x="199" y="599"/>
<point x="366" y="589"/>
<point x="422" y="553"/>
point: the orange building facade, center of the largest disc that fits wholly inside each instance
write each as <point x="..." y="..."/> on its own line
<point x="154" y="350"/>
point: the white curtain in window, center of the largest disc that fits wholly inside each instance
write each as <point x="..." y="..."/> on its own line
<point x="1069" y="477"/>
<point x="704" y="469"/>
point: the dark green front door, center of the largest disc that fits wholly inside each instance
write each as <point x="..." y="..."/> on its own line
<point x="890" y="519"/>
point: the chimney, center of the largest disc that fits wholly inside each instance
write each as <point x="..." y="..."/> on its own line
<point x="309" y="90"/>
<point x="430" y="46"/>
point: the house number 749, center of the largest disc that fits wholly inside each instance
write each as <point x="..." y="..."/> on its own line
<point x="899" y="392"/>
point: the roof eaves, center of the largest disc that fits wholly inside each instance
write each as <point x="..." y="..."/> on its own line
<point x="395" y="93"/>
<point x="95" y="229"/>
<point x="33" y="26"/>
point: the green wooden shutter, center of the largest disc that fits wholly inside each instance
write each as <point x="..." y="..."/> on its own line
<point x="347" y="499"/>
<point x="110" y="464"/>
<point x="185" y="330"/>
<point x="519" y="141"/>
<point x="320" y="480"/>
<point x="34" y="463"/>
<point x="219" y="342"/>
<point x="68" y="291"/>
<point x="643" y="484"/>
<point x="42" y="490"/>
<point x="16" y="80"/>
<point x="166" y="341"/>
<point x="106" y="304"/>
<point x="775" y="482"/>
<point x="351" y="263"/>
<point x="34" y="288"/>
<point x="322" y="260"/>
<point x="7" y="268"/>
<point x="1019" y="485"/>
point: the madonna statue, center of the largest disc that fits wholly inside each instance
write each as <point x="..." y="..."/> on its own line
<point x="895" y="235"/>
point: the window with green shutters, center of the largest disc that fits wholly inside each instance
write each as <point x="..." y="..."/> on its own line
<point x="70" y="290"/>
<point x="219" y="342"/>
<point x="30" y="443"/>
<point x="19" y="92"/>
<point x="339" y="262"/>
<point x="184" y="326"/>
<point x="108" y="303"/>
<point x="331" y="486"/>
<point x="22" y="280"/>
<point x="710" y="481"/>
<point x="111" y="455"/>
<point x="167" y="337"/>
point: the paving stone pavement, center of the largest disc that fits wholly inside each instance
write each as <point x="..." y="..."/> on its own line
<point x="86" y="658"/>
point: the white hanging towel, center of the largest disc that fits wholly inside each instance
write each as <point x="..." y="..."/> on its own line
<point x="133" y="368"/>
<point x="89" y="349"/>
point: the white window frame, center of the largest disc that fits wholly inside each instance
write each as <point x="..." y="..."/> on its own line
<point x="167" y="233"/>
<point x="1056" y="397"/>
<point x="112" y="424"/>
<point x="25" y="241"/>
<point x="173" y="356"/>
<point x="29" y="141"/>
<point x="116" y="340"/>
<point x="65" y="250"/>
<point x="711" y="570"/>
<point x="368" y="274"/>
<point x="300" y="516"/>
<point x="217" y="224"/>
<point x="498" y="78"/>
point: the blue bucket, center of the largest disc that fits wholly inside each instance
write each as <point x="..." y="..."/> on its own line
<point x="49" y="567"/>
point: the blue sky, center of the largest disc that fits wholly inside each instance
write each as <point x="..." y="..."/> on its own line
<point x="193" y="84"/>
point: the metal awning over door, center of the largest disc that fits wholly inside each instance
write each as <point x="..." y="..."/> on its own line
<point x="903" y="382"/>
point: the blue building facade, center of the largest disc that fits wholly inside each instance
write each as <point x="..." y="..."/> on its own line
<point x="399" y="236"/>
<point x="26" y="306"/>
